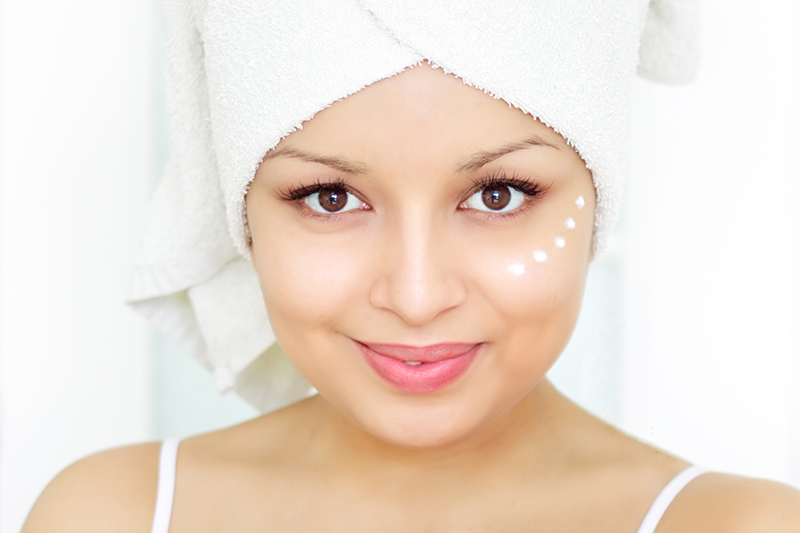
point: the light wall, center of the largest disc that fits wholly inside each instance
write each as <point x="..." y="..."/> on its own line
<point x="712" y="236"/>
<point x="75" y="144"/>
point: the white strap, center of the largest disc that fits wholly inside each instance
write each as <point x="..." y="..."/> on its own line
<point x="666" y="496"/>
<point x="166" y="485"/>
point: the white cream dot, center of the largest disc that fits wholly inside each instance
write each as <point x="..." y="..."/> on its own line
<point x="540" y="256"/>
<point x="560" y="242"/>
<point x="516" y="268"/>
<point x="570" y="223"/>
<point x="580" y="202"/>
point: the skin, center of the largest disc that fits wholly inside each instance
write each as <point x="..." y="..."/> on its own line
<point x="416" y="263"/>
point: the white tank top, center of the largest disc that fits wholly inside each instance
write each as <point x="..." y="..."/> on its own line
<point x="169" y="455"/>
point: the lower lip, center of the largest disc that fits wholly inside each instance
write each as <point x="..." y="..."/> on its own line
<point x="425" y="377"/>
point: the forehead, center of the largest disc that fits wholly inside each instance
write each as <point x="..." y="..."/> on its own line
<point x="420" y="110"/>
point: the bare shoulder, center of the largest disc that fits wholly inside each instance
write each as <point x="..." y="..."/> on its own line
<point x="114" y="490"/>
<point x="733" y="504"/>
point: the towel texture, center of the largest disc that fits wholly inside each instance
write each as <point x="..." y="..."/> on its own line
<point x="243" y="74"/>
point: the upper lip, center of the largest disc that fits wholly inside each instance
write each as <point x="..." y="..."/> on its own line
<point x="423" y="354"/>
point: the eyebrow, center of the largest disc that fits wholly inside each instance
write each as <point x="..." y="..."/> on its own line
<point x="481" y="159"/>
<point x="343" y="165"/>
<point x="474" y="162"/>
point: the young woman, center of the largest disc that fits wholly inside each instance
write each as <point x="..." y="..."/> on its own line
<point x="421" y="248"/>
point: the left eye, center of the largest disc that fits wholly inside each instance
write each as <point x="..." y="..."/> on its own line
<point x="496" y="199"/>
<point x="332" y="200"/>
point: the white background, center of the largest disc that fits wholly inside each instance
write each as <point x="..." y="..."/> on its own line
<point x="691" y="329"/>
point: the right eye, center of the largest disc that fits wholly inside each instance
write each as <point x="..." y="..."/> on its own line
<point x="334" y="199"/>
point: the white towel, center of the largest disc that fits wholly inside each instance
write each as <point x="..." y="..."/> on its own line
<point x="243" y="74"/>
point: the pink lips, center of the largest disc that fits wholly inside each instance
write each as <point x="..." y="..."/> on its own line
<point x="440" y="364"/>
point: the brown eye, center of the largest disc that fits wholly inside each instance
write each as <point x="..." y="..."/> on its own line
<point x="333" y="199"/>
<point x="496" y="197"/>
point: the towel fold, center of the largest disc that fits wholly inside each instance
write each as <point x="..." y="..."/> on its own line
<point x="243" y="74"/>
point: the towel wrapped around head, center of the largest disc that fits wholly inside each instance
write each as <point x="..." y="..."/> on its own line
<point x="243" y="74"/>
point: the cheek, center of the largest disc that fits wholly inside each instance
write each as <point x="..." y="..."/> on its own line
<point x="530" y="319"/>
<point x="535" y="304"/>
<point x="532" y="284"/>
<point x="538" y="272"/>
<point x="310" y="279"/>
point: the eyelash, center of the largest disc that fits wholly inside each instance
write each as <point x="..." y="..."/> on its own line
<point x="497" y="179"/>
<point x="500" y="178"/>
<point x="297" y="194"/>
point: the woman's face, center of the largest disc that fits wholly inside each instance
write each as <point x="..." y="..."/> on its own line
<point x="422" y="249"/>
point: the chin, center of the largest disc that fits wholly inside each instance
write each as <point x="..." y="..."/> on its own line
<point x="426" y="438"/>
<point x="425" y="427"/>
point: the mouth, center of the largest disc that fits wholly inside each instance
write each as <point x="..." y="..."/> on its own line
<point x="419" y="369"/>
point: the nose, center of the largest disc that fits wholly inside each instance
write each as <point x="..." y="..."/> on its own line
<point x="418" y="278"/>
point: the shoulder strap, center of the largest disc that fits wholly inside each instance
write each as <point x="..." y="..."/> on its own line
<point x="166" y="485"/>
<point x="666" y="496"/>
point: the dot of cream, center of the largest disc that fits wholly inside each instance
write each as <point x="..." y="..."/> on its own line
<point x="540" y="256"/>
<point x="516" y="268"/>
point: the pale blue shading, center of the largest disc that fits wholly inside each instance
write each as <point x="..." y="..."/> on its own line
<point x="589" y="370"/>
<point x="185" y="401"/>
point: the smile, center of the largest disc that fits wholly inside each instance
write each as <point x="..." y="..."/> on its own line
<point x="419" y="369"/>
